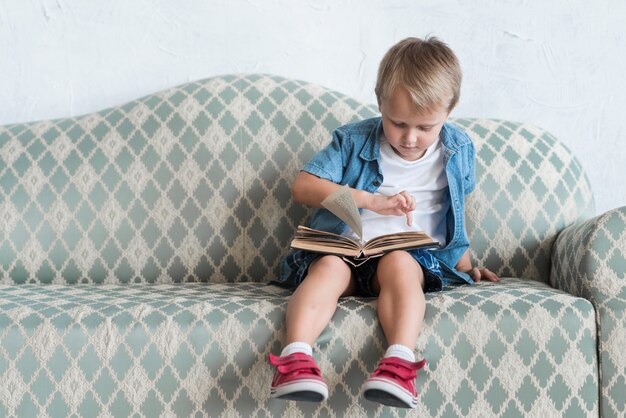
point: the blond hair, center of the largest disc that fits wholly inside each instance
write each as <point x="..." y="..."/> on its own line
<point x="427" y="69"/>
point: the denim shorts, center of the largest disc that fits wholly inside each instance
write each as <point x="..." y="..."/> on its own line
<point x="294" y="268"/>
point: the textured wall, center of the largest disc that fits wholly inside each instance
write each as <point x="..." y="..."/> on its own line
<point x="559" y="65"/>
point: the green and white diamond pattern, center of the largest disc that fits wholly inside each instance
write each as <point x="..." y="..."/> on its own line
<point x="516" y="349"/>
<point x="192" y="185"/>
<point x="529" y="188"/>
<point x="590" y="261"/>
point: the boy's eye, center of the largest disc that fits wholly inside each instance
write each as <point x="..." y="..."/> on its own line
<point x="403" y="125"/>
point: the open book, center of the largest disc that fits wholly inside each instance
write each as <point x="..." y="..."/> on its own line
<point x="355" y="251"/>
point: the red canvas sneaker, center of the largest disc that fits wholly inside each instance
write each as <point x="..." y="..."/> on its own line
<point x="297" y="378"/>
<point x="393" y="383"/>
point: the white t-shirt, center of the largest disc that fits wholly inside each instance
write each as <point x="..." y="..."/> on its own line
<point x="425" y="179"/>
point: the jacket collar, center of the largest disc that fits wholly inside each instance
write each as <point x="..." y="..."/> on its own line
<point x="371" y="149"/>
<point x="450" y="146"/>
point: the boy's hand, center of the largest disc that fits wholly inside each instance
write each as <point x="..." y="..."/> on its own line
<point x="477" y="274"/>
<point x="399" y="204"/>
<point x="482" y="274"/>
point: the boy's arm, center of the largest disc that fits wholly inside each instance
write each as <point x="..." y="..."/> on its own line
<point x="311" y="190"/>
<point x="464" y="264"/>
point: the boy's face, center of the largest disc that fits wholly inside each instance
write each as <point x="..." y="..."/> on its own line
<point x="408" y="131"/>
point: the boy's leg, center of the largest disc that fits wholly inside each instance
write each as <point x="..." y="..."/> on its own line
<point x="399" y="280"/>
<point x="314" y="302"/>
<point x="310" y="309"/>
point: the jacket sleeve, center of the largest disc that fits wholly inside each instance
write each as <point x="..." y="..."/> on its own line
<point x="329" y="162"/>
<point x="469" y="165"/>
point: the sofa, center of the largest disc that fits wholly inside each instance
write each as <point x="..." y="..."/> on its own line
<point x="137" y="245"/>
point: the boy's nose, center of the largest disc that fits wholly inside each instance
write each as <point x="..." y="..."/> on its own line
<point x="411" y="136"/>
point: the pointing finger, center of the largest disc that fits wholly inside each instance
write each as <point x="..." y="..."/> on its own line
<point x="410" y="200"/>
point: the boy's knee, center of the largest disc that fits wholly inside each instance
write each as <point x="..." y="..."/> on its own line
<point x="330" y="261"/>
<point x="333" y="274"/>
<point x="331" y="265"/>
<point x="398" y="267"/>
<point x="399" y="259"/>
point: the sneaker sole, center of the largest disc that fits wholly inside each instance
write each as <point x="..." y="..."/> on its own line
<point x="389" y="394"/>
<point x="310" y="391"/>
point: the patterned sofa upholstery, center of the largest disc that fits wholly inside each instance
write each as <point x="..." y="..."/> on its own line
<point x="137" y="243"/>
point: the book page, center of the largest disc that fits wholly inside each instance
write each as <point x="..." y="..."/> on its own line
<point x="344" y="207"/>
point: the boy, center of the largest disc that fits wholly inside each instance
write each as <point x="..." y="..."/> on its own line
<point x="409" y="164"/>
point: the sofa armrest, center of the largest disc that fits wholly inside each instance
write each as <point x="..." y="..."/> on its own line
<point x="589" y="260"/>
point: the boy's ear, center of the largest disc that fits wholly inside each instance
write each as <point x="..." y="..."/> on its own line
<point x="450" y="112"/>
<point x="453" y="107"/>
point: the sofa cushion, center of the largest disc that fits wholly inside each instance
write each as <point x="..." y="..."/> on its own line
<point x="191" y="347"/>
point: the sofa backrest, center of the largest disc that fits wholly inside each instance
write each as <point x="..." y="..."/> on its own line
<point x="529" y="188"/>
<point x="193" y="184"/>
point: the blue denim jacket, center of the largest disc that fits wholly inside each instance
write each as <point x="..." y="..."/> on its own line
<point x="352" y="158"/>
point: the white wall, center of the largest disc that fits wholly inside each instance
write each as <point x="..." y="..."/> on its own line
<point x="559" y="64"/>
